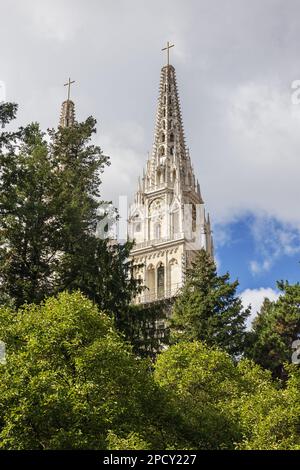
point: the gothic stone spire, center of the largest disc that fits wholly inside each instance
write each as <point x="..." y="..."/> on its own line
<point x="167" y="219"/>
<point x="170" y="160"/>
<point x="67" y="117"/>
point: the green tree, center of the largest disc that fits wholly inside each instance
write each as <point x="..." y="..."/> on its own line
<point x="8" y="112"/>
<point x="27" y="240"/>
<point x="50" y="207"/>
<point x="208" y="308"/>
<point x="70" y="382"/>
<point x="275" y="328"/>
<point x="225" y="405"/>
<point x="200" y="383"/>
<point x="145" y="326"/>
<point x="270" y="416"/>
<point x="214" y="395"/>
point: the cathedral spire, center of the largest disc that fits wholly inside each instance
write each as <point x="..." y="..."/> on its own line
<point x="67" y="116"/>
<point x="167" y="219"/>
<point x="170" y="162"/>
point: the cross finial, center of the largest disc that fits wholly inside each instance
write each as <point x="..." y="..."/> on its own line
<point x="168" y="50"/>
<point x="68" y="84"/>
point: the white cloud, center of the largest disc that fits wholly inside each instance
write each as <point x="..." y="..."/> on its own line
<point x="259" y="267"/>
<point x="123" y="146"/>
<point x="272" y="240"/>
<point x="259" y="170"/>
<point x="222" y="234"/>
<point x="243" y="130"/>
<point x="217" y="261"/>
<point x="255" y="298"/>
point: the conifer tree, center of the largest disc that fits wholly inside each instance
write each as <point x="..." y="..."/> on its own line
<point x="49" y="206"/>
<point x="208" y="308"/>
<point x="275" y="329"/>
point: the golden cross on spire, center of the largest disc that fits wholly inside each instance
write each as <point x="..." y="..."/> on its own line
<point x="168" y="50"/>
<point x="69" y="87"/>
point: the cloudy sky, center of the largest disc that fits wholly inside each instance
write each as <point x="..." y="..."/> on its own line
<point x="236" y="62"/>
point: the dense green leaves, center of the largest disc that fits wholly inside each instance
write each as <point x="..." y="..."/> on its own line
<point x="70" y="381"/>
<point x="7" y="113"/>
<point x="271" y="415"/>
<point x="201" y="382"/>
<point x="229" y="406"/>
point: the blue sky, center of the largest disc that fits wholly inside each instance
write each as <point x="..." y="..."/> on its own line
<point x="258" y="253"/>
<point x="256" y="263"/>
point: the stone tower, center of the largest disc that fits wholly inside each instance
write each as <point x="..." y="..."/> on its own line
<point x="67" y="115"/>
<point x="167" y="219"/>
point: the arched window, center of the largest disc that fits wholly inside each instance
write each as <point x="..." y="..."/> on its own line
<point x="164" y="112"/>
<point x="150" y="282"/>
<point x="169" y="86"/>
<point x="165" y="88"/>
<point x="194" y="218"/>
<point x="156" y="215"/>
<point x="170" y="100"/>
<point x="137" y="223"/>
<point x="172" y="137"/>
<point x="158" y="177"/>
<point x="164" y="124"/>
<point x="174" y="175"/>
<point x="171" y="150"/>
<point x="157" y="231"/>
<point x="170" y="124"/>
<point x="165" y="99"/>
<point x="162" y="151"/>
<point x="162" y="137"/>
<point x="160" y="281"/>
<point x="174" y="276"/>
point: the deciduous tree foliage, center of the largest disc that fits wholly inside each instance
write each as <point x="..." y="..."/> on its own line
<point x="228" y="405"/>
<point x="201" y="383"/>
<point x="270" y="416"/>
<point x="208" y="308"/>
<point x="70" y="382"/>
